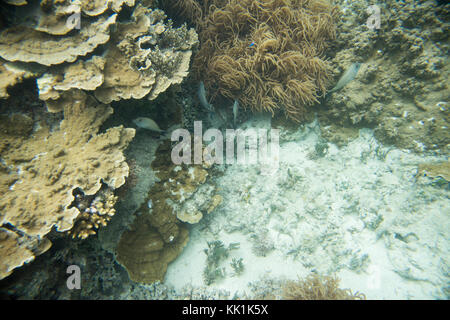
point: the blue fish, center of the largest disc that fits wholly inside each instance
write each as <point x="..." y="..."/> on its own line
<point x="251" y="44"/>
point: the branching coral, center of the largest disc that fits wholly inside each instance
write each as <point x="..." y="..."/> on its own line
<point x="266" y="54"/>
<point x="41" y="171"/>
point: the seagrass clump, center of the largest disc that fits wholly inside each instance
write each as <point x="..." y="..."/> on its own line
<point x="267" y="54"/>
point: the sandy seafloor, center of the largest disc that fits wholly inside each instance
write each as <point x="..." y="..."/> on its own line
<point x="357" y="212"/>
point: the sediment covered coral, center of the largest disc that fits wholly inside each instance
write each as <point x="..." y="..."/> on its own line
<point x="435" y="172"/>
<point x="401" y="89"/>
<point x="183" y="195"/>
<point x="42" y="171"/>
<point x="185" y="190"/>
<point x="268" y="55"/>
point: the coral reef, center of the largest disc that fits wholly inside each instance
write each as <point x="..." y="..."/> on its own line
<point x="316" y="287"/>
<point x="216" y="253"/>
<point x="42" y="171"/>
<point x="401" y="90"/>
<point x="115" y="60"/>
<point x="268" y="55"/>
<point x="145" y="254"/>
<point x="95" y="211"/>
<point x="145" y="57"/>
<point x="435" y="170"/>
<point x="183" y="194"/>
<point x="13" y="73"/>
<point x="184" y="190"/>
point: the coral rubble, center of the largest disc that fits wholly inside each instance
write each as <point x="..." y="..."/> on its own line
<point x="183" y="195"/>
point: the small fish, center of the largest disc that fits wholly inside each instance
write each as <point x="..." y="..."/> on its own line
<point x="348" y="76"/>
<point x="251" y="44"/>
<point x="202" y="97"/>
<point x="235" y="111"/>
<point x="147" y="123"/>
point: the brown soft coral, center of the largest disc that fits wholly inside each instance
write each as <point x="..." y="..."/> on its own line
<point x="316" y="287"/>
<point x="266" y="54"/>
<point x="145" y="254"/>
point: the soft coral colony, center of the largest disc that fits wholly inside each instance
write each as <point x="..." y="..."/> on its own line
<point x="64" y="179"/>
<point x="268" y="55"/>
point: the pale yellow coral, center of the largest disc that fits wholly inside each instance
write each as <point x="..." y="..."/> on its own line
<point x="94" y="214"/>
<point x="121" y="81"/>
<point x="434" y="170"/>
<point x="17" y="2"/>
<point x="215" y="201"/>
<point x="164" y="81"/>
<point x="48" y="166"/>
<point x="13" y="254"/>
<point x="55" y="21"/>
<point x="191" y="217"/>
<point x="158" y="237"/>
<point x="86" y="75"/>
<point x="140" y="58"/>
<point x="22" y="43"/>
<point x="96" y="7"/>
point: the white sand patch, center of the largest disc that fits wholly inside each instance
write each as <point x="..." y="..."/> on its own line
<point x="356" y="212"/>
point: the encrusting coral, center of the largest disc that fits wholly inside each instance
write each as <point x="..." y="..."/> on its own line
<point x="21" y="43"/>
<point x="42" y="172"/>
<point x="183" y="195"/>
<point x="268" y="55"/>
<point x="183" y="189"/>
<point x="434" y="171"/>
<point x="84" y="46"/>
<point x="77" y="50"/>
